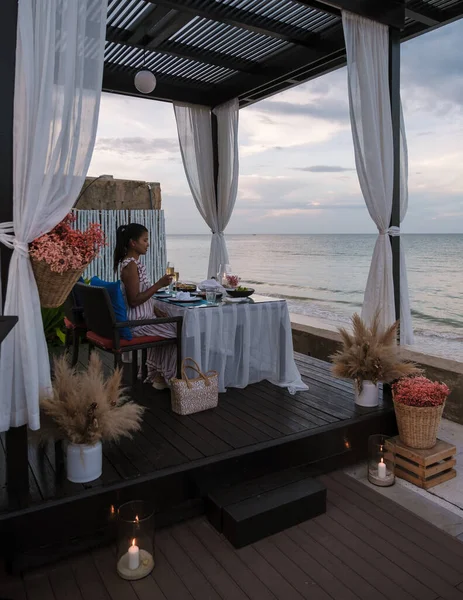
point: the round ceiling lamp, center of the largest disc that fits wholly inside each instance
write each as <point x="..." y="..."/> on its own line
<point x="145" y="81"/>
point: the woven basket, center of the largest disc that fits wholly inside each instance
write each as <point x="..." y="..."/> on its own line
<point x="418" y="425"/>
<point x="54" y="288"/>
<point x="192" y="395"/>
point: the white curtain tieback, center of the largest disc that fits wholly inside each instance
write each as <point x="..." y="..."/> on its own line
<point x="392" y="231"/>
<point x="217" y="233"/>
<point x="7" y="238"/>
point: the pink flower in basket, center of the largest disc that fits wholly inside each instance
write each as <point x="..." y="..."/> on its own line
<point x="233" y="280"/>
<point x="420" y="391"/>
<point x="67" y="249"/>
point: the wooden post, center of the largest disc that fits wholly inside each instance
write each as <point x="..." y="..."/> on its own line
<point x="16" y="438"/>
<point x="394" y="86"/>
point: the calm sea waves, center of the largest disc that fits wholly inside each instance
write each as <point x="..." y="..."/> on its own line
<point x="324" y="276"/>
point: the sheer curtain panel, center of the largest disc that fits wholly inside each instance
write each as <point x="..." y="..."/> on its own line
<point x="367" y="47"/>
<point x="59" y="68"/>
<point x="214" y="200"/>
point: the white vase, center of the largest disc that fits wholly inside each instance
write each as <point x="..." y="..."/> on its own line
<point x="84" y="463"/>
<point x="369" y="396"/>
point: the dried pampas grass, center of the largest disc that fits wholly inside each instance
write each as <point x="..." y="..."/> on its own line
<point x="370" y="354"/>
<point x="86" y="409"/>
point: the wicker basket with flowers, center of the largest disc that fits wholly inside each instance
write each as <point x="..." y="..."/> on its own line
<point x="419" y="404"/>
<point x="60" y="257"/>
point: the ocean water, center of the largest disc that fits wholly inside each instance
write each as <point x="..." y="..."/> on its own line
<point x="324" y="276"/>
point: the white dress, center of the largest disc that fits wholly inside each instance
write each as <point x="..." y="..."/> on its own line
<point x="163" y="359"/>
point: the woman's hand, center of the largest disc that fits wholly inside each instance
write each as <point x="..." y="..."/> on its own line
<point x="164" y="281"/>
<point x="159" y="313"/>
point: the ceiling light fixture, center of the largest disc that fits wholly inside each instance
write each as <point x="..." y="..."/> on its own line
<point x="145" y="80"/>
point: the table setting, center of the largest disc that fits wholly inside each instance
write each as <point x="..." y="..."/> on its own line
<point x="243" y="336"/>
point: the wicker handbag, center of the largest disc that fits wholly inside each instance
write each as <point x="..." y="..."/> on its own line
<point x="193" y="395"/>
<point x="418" y="425"/>
<point x="54" y="288"/>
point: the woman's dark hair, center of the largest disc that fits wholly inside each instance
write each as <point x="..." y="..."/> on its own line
<point x="124" y="234"/>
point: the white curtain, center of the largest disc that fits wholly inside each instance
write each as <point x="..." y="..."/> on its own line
<point x="194" y="126"/>
<point x="59" y="67"/>
<point x="367" y="47"/>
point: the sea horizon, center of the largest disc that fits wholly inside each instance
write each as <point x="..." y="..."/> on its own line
<point x="324" y="276"/>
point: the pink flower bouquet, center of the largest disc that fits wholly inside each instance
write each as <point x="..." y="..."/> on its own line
<point x="420" y="392"/>
<point x="59" y="257"/>
<point x="233" y="281"/>
<point x="67" y="249"/>
<point x="419" y="404"/>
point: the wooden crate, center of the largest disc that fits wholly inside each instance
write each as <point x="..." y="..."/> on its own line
<point x="424" y="468"/>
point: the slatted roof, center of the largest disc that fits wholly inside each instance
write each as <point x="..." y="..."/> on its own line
<point x="209" y="51"/>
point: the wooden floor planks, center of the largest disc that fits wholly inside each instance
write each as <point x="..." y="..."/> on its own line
<point x="364" y="548"/>
<point x="245" y="418"/>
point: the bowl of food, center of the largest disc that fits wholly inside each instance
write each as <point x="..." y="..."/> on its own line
<point x="185" y="286"/>
<point x="240" y="292"/>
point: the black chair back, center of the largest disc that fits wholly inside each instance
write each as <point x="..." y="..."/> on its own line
<point x="73" y="309"/>
<point x="98" y="311"/>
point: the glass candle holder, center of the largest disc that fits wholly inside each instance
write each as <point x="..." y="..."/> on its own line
<point x="380" y="461"/>
<point x="135" y="540"/>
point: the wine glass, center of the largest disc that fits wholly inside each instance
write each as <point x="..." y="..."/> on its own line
<point x="175" y="281"/>
<point x="170" y="270"/>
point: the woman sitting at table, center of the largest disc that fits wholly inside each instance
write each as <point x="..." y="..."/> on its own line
<point x="132" y="241"/>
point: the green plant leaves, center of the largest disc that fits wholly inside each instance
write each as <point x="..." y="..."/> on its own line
<point x="53" y="325"/>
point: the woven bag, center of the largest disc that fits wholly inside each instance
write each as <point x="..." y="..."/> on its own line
<point x="192" y="395"/>
<point x="54" y="288"/>
<point x="418" y="425"/>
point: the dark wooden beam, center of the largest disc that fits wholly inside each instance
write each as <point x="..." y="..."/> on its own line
<point x="335" y="61"/>
<point x="168" y="90"/>
<point x="388" y="12"/>
<point x="219" y="59"/>
<point x="149" y="25"/>
<point x="420" y="17"/>
<point x="321" y="6"/>
<point x="208" y="57"/>
<point x="440" y="19"/>
<point x="245" y="19"/>
<point x="286" y="69"/>
<point x="157" y="27"/>
<point x="16" y="438"/>
<point x="394" y="87"/>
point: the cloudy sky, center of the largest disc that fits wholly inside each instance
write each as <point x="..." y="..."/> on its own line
<point x="297" y="172"/>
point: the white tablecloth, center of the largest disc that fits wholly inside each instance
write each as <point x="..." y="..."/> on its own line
<point x="244" y="343"/>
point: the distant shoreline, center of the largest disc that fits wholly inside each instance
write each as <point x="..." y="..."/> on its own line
<point x="298" y="234"/>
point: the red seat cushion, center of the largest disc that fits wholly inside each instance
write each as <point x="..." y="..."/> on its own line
<point x="107" y="344"/>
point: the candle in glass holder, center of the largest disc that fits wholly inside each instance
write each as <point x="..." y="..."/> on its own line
<point x="134" y="556"/>
<point x="382" y="470"/>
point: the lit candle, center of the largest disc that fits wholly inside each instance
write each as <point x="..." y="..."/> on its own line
<point x="382" y="470"/>
<point x="134" y="556"/>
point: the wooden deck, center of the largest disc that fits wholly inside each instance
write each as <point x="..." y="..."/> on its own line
<point x="253" y="431"/>
<point x="364" y="548"/>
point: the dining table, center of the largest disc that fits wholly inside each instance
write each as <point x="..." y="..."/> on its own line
<point x="244" y="342"/>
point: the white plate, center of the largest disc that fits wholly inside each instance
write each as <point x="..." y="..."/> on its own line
<point x="174" y="300"/>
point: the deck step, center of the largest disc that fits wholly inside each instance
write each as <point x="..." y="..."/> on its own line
<point x="246" y="513"/>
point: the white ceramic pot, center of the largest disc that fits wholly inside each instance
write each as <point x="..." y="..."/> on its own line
<point x="84" y="463"/>
<point x="369" y="396"/>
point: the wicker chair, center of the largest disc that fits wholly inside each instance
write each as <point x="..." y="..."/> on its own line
<point x="103" y="331"/>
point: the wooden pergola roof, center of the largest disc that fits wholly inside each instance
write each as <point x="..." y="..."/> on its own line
<point x="209" y="51"/>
